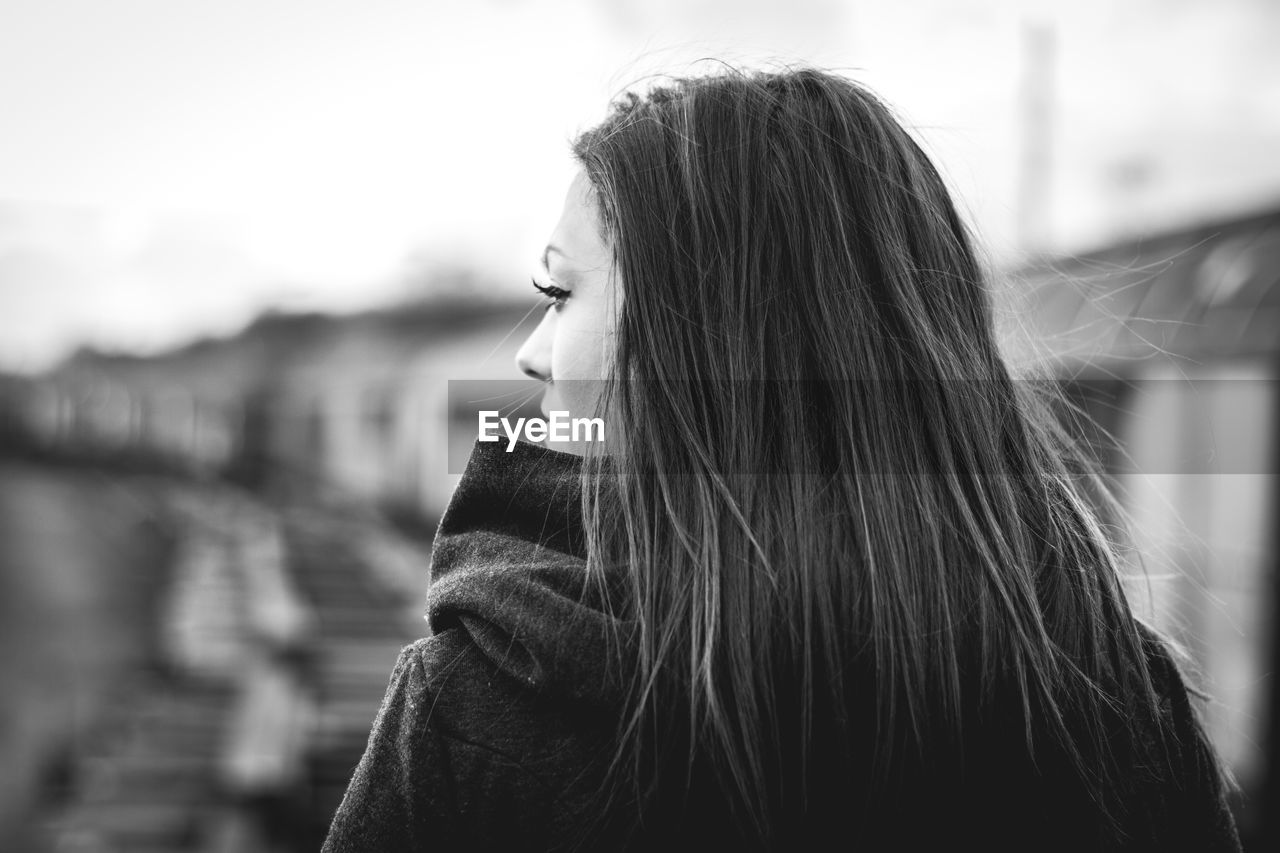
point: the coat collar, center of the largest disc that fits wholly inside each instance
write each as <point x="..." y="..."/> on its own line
<point x="531" y="494"/>
<point x="508" y="567"/>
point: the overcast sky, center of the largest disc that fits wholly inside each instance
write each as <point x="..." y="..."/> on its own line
<point x="171" y="167"/>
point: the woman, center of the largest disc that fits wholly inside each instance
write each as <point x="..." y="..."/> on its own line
<point x="834" y="579"/>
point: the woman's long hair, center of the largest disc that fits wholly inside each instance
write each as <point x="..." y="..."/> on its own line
<point x="862" y="561"/>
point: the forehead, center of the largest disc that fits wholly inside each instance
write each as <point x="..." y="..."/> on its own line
<point x="577" y="232"/>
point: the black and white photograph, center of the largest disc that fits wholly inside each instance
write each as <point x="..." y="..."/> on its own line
<point x="639" y="425"/>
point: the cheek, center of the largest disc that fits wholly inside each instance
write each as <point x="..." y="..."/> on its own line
<point x="577" y="350"/>
<point x="576" y="365"/>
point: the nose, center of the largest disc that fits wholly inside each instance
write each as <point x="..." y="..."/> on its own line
<point x="534" y="356"/>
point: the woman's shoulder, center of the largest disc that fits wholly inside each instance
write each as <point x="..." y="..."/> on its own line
<point x="1191" y="804"/>
<point x="1172" y="690"/>
<point x="462" y="751"/>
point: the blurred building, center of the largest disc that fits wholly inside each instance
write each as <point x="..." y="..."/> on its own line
<point x="353" y="407"/>
<point x="1171" y="344"/>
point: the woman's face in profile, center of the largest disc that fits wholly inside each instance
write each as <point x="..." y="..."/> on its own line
<point x="569" y="348"/>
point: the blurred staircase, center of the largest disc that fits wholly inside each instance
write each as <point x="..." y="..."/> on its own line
<point x="278" y="633"/>
<point x="363" y="618"/>
<point x="153" y="774"/>
<point x="145" y="783"/>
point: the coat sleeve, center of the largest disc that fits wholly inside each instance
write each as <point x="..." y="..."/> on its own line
<point x="401" y="796"/>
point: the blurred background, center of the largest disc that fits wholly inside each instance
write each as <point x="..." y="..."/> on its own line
<point x="244" y="246"/>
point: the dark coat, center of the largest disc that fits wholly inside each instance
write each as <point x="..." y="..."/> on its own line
<point x="495" y="729"/>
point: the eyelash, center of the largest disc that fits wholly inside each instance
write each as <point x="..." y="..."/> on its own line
<point x="558" y="295"/>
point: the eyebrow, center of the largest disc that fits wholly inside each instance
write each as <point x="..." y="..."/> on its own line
<point x="546" y="254"/>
